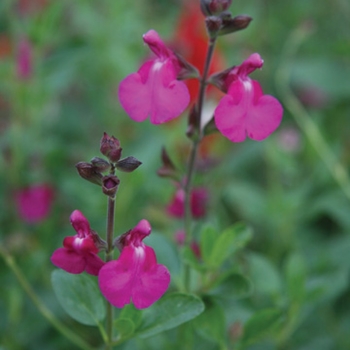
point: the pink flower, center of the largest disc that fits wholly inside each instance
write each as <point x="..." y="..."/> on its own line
<point x="245" y="110"/>
<point x="154" y="91"/>
<point x="34" y="202"/>
<point x="199" y="200"/>
<point x="79" y="252"/>
<point x="135" y="276"/>
<point x="24" y="60"/>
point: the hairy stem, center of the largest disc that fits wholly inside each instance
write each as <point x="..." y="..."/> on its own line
<point x="109" y="257"/>
<point x="193" y="155"/>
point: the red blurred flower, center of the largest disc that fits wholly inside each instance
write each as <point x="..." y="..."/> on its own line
<point x="24" y="59"/>
<point x="191" y="41"/>
<point x="34" y="202"/>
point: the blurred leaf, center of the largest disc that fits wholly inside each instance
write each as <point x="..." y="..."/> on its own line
<point x="296" y="277"/>
<point x="125" y="327"/>
<point x="165" y="251"/>
<point x="211" y="323"/>
<point x="79" y="296"/>
<point x="232" y="286"/>
<point x="191" y="259"/>
<point x="208" y="237"/>
<point x="264" y="275"/>
<point x="169" y="312"/>
<point x="230" y="241"/>
<point x="260" y="325"/>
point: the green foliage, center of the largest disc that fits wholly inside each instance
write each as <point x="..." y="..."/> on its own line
<point x="80" y="297"/>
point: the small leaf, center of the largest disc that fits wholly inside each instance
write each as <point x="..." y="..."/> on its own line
<point x="190" y="258"/>
<point x="131" y="313"/>
<point x="260" y="325"/>
<point x="207" y="242"/>
<point x="169" y="312"/>
<point x="125" y="327"/>
<point x="230" y="241"/>
<point x="296" y="277"/>
<point x="79" y="296"/>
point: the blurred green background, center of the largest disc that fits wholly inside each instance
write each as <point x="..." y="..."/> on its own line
<point x="292" y="188"/>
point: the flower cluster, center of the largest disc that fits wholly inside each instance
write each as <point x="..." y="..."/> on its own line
<point x="155" y="91"/>
<point x="134" y="277"/>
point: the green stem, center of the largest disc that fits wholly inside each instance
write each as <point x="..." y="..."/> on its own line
<point x="302" y="117"/>
<point x="109" y="257"/>
<point x="45" y="312"/>
<point x="193" y="156"/>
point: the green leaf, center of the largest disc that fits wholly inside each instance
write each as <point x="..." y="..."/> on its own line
<point x="79" y="296"/>
<point x="230" y="241"/>
<point x="190" y="258"/>
<point x="211" y="323"/>
<point x="296" y="277"/>
<point x="260" y="325"/>
<point x="169" y="312"/>
<point x="207" y="242"/>
<point x="165" y="251"/>
<point x="232" y="286"/>
<point x="131" y="313"/>
<point x="125" y="327"/>
<point x="263" y="274"/>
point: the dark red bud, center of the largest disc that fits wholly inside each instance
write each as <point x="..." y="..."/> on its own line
<point x="110" y="147"/>
<point x="214" y="7"/>
<point x="168" y="168"/>
<point x="100" y="164"/>
<point x="230" y="25"/>
<point x="213" y="25"/>
<point x="88" y="172"/>
<point x="128" y="164"/>
<point x="110" y="185"/>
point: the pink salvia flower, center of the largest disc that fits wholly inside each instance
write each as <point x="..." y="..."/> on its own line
<point x="24" y="60"/>
<point x="79" y="252"/>
<point x="34" y="202"/>
<point x="136" y="276"/>
<point x="153" y="90"/>
<point x="245" y="110"/>
<point x="198" y="202"/>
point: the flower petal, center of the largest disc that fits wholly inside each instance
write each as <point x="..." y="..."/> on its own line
<point x="152" y="283"/>
<point x="93" y="264"/>
<point x="135" y="276"/>
<point x="155" y="92"/>
<point x="80" y="223"/>
<point x="264" y="118"/>
<point x="68" y="260"/>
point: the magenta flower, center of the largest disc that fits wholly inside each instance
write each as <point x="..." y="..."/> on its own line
<point x="34" y="202"/>
<point x="135" y="276"/>
<point x="245" y="110"/>
<point x="198" y="201"/>
<point x="79" y="252"/>
<point x="154" y="91"/>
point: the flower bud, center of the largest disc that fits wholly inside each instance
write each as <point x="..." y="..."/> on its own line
<point x="213" y="25"/>
<point x="168" y="168"/>
<point x="88" y="172"/>
<point x="230" y="25"/>
<point x="128" y="164"/>
<point x="110" y="147"/>
<point x="214" y="7"/>
<point x="100" y="164"/>
<point x="110" y="185"/>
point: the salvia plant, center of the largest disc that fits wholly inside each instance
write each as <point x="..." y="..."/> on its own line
<point x="113" y="280"/>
